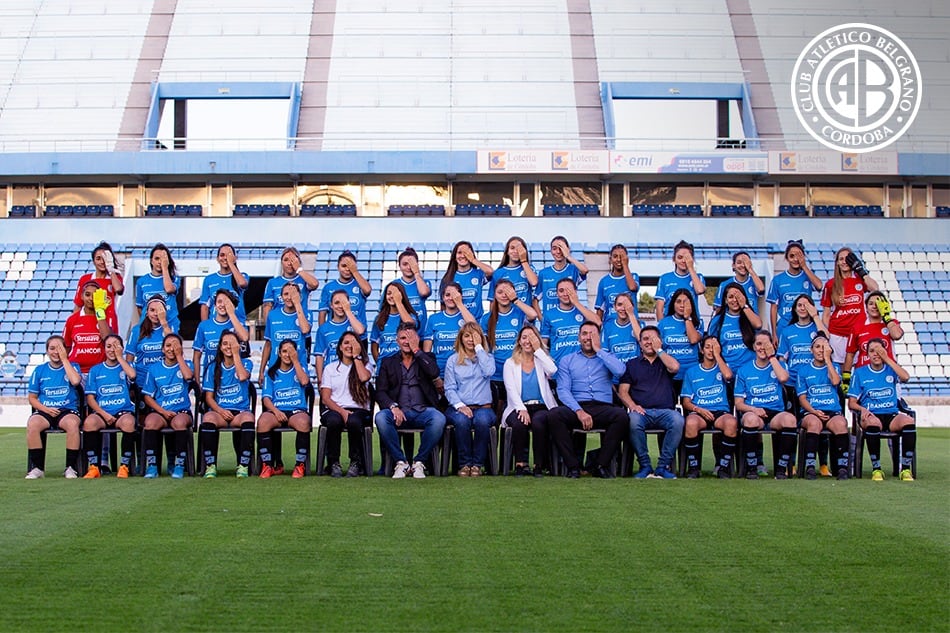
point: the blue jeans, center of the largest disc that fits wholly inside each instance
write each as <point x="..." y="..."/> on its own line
<point x="429" y="419"/>
<point x="471" y="453"/>
<point x="668" y="420"/>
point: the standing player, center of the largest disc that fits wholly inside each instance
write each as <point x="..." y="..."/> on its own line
<point x="818" y="383"/>
<point x="395" y="310"/>
<point x="517" y="270"/>
<point x="110" y="406"/>
<point x="208" y="334"/>
<point x="681" y="331"/>
<point x="565" y="266"/>
<point x="618" y="281"/>
<point x="683" y="276"/>
<point x="414" y="285"/>
<point x="342" y="320"/>
<point x="735" y="327"/>
<point x="146" y="339"/>
<point x="797" y="279"/>
<point x="166" y="394"/>
<point x="107" y="277"/>
<point x="351" y="281"/>
<point x="744" y="275"/>
<point x="706" y="404"/>
<point x="288" y="322"/>
<point x="291" y="272"/>
<point x="443" y="327"/>
<point x="86" y="330"/>
<point x="880" y="324"/>
<point x="843" y="300"/>
<point x="561" y="325"/>
<point x="53" y="396"/>
<point x="621" y="335"/>
<point x="470" y="273"/>
<point x="162" y="281"/>
<point x="228" y="277"/>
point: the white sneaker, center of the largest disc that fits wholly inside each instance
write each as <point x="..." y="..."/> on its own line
<point x="400" y="470"/>
<point x="418" y="470"/>
<point x="36" y="473"/>
<point x="70" y="473"/>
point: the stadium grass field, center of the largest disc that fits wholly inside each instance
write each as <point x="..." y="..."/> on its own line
<point x="461" y="555"/>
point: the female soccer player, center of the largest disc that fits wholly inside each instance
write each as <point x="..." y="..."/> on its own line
<point x="414" y="285"/>
<point x="351" y="281"/>
<point x="616" y="282"/>
<point x="468" y="374"/>
<point x="735" y="327"/>
<point x="880" y="324"/>
<point x="106" y="276"/>
<point x="760" y="400"/>
<point x="287" y="322"/>
<point x="146" y="339"/>
<point x="873" y="395"/>
<point x="291" y="272"/>
<point x="53" y="396"/>
<point x="470" y="273"/>
<point x="506" y="314"/>
<point x="797" y="279"/>
<point x="517" y="270"/>
<point x="228" y="401"/>
<point x="342" y="320"/>
<point x="110" y="406"/>
<point x="443" y="327"/>
<point x="561" y="324"/>
<point x="681" y="331"/>
<point x="683" y="276"/>
<point x="284" y="403"/>
<point x="162" y="281"/>
<point x="794" y="345"/>
<point x="527" y="374"/>
<point x="344" y="393"/>
<point x="395" y="309"/>
<point x="744" y="275"/>
<point x="166" y="394"/>
<point x="86" y="329"/>
<point x="706" y="405"/>
<point x="228" y="277"/>
<point x="621" y="334"/>
<point x="843" y="300"/>
<point x="565" y="266"/>
<point x="817" y="388"/>
<point x="225" y="317"/>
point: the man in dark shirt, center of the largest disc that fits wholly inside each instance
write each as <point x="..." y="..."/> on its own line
<point x="407" y="399"/>
<point x="646" y="389"/>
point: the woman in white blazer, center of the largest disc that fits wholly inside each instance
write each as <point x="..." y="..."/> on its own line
<point x="527" y="374"/>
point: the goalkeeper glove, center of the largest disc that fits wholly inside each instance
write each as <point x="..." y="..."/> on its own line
<point x="845" y="382"/>
<point x="884" y="307"/>
<point x="100" y="301"/>
<point x="110" y="262"/>
<point x="857" y="266"/>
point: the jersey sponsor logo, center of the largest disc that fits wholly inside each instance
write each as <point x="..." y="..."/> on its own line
<point x="289" y="393"/>
<point x="148" y="348"/>
<point x="107" y="403"/>
<point x="56" y="392"/>
<point x="853" y="299"/>
<point x="709" y="392"/>
<point x="675" y="339"/>
<point x="86" y="338"/>
<point x="763" y="390"/>
<point x="172" y="389"/>
<point x="880" y="394"/>
<point x="821" y="390"/>
<point x="282" y="335"/>
<point x="111" y="390"/>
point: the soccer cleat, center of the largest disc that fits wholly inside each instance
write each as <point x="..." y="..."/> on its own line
<point x="693" y="473"/>
<point x="663" y="472"/>
<point x="843" y="474"/>
<point x="465" y="471"/>
<point x="278" y="470"/>
<point x="400" y="470"/>
<point x="211" y="471"/>
<point x="336" y="471"/>
<point x="418" y="470"/>
<point x="241" y="472"/>
<point x="824" y="471"/>
<point x="724" y="473"/>
<point x="299" y="471"/>
<point x="782" y="474"/>
<point x="35" y="473"/>
<point x="70" y="473"/>
<point x="877" y="475"/>
<point x="537" y="472"/>
<point x="643" y="473"/>
<point x="354" y="470"/>
<point x="267" y="471"/>
<point x="573" y="473"/>
<point x="602" y="473"/>
<point x="810" y="473"/>
<point x="178" y="472"/>
<point x="521" y="470"/>
<point x="151" y="472"/>
<point x="92" y="472"/>
<point x="752" y="473"/>
<point x="907" y="475"/>
<point x="123" y="471"/>
<point x="762" y="470"/>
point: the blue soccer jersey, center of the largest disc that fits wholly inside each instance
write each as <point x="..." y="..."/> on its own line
<point x="875" y="390"/>
<point x="415" y="300"/>
<point x="561" y="328"/>
<point x="759" y="387"/>
<point x="794" y="347"/>
<point x="506" y="337"/>
<point x="516" y="275"/>
<point x="473" y="284"/>
<point x="353" y="291"/>
<point x="284" y="390"/>
<point x="705" y="388"/>
<point x="51" y="386"/>
<point x="620" y="340"/>
<point x="608" y="288"/>
<point x="150" y="285"/>
<point x="282" y="326"/>
<point x="328" y="335"/>
<point x="751" y="292"/>
<point x="677" y="345"/>
<point x="275" y="286"/>
<point x="168" y="387"/>
<point x="206" y="339"/>
<point x="214" y="282"/>
<point x="734" y="350"/>
<point x="110" y="386"/>
<point x="814" y="384"/>
<point x="546" y="291"/>
<point x="231" y="392"/>
<point x="146" y="352"/>
<point x="386" y="338"/>
<point x="441" y="330"/>
<point x="783" y="291"/>
<point x="671" y="282"/>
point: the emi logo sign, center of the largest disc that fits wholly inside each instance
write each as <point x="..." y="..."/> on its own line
<point x="856" y="88"/>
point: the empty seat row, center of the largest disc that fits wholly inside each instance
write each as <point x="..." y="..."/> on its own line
<point x="731" y="210"/>
<point x="792" y="211"/>
<point x="416" y="209"/>
<point x="482" y="209"/>
<point x="23" y="211"/>
<point x="262" y="210"/>
<point x="943" y="212"/>
<point x="173" y="210"/>
<point x="848" y="210"/>
<point x="572" y="209"/>
<point x="668" y="210"/>
<point x="79" y="210"/>
<point x="309" y="210"/>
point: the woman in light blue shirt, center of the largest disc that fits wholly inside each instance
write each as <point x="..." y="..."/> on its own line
<point x="468" y="374"/>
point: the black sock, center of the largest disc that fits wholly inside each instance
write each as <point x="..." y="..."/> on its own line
<point x="151" y="441"/>
<point x="93" y="443"/>
<point x="759" y="449"/>
<point x="72" y="458"/>
<point x="302" y="445"/>
<point x="209" y="443"/>
<point x="839" y="447"/>
<point x="872" y="439"/>
<point x="823" y="447"/>
<point x="37" y="457"/>
<point x="717" y="447"/>
<point x="264" y="448"/>
<point x="749" y="440"/>
<point x="277" y="449"/>
<point x="181" y="446"/>
<point x="789" y="440"/>
<point x="692" y="447"/>
<point x="811" y="447"/>
<point x="908" y="444"/>
<point x="728" y="449"/>
<point x="236" y="443"/>
<point x="128" y="447"/>
<point x="247" y="443"/>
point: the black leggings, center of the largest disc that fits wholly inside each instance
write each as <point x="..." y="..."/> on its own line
<point x="539" y="431"/>
<point x="355" y="423"/>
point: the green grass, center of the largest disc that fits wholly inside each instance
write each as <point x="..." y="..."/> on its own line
<point x="461" y="555"/>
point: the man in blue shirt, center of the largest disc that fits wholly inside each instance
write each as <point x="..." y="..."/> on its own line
<point x="585" y="386"/>
<point x="646" y="389"/>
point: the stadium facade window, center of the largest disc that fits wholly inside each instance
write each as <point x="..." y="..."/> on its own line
<point x="615" y="200"/>
<point x="572" y="193"/>
<point x="895" y="201"/>
<point x="223" y="116"/>
<point x="940" y="196"/>
<point x="692" y="116"/>
<point x="328" y="194"/>
<point x="671" y="193"/>
<point x="467" y="192"/>
<point x="176" y="194"/>
<point x="918" y="201"/>
<point x="416" y="194"/>
<point x="262" y="194"/>
<point x="792" y="195"/>
<point x="25" y="194"/>
<point x="80" y="195"/>
<point x="372" y="201"/>
<point x="731" y="194"/>
<point x="847" y="195"/>
<point x="527" y="196"/>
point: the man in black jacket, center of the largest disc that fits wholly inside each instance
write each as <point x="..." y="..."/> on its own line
<point x="407" y="399"/>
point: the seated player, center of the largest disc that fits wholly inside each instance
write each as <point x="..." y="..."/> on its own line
<point x="53" y="396"/>
<point x="817" y="388"/>
<point x="284" y="403"/>
<point x="227" y="396"/>
<point x="706" y="404"/>
<point x="110" y="406"/>
<point x="166" y="394"/>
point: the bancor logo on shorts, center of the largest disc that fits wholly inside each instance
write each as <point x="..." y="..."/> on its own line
<point x="856" y="88"/>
